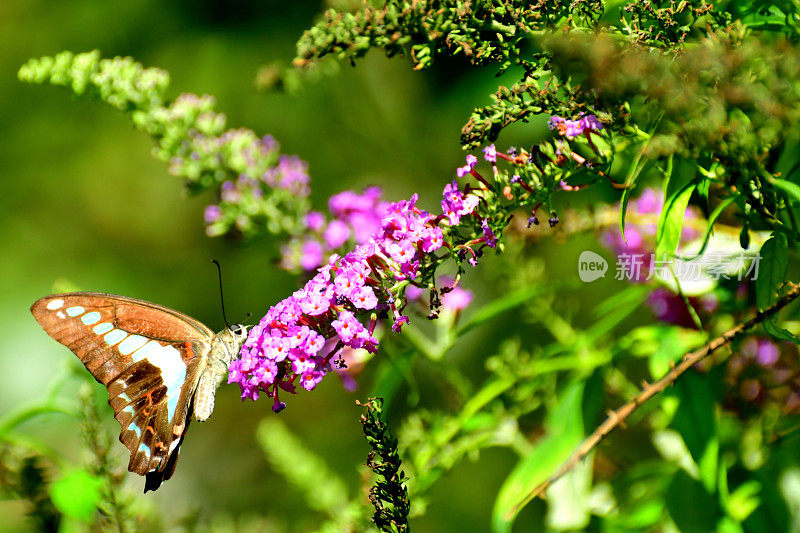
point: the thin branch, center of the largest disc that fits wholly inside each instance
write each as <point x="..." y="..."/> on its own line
<point x="616" y="418"/>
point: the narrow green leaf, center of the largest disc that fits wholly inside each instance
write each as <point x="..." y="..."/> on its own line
<point x="695" y="420"/>
<point x="712" y="218"/>
<point x="778" y="332"/>
<point x="623" y="209"/>
<point x="771" y="270"/>
<point x="702" y="191"/>
<point x="564" y="427"/>
<point x="744" y="500"/>
<point x="670" y="223"/>
<point x="787" y="187"/>
<point x="614" y="316"/>
<point x="76" y="494"/>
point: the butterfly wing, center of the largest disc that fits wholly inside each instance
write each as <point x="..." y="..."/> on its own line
<point x="149" y="357"/>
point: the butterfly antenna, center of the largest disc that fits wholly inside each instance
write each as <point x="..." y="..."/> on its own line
<point x="221" y="296"/>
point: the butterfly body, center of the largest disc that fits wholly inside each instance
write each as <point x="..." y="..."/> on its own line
<point x="160" y="367"/>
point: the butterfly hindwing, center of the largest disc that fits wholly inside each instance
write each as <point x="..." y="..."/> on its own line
<point x="148" y="356"/>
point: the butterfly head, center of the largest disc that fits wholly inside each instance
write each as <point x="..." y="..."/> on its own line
<point x="239" y="332"/>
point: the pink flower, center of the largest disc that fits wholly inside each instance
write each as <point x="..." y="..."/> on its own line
<point x="314" y="304"/>
<point x="466" y="169"/>
<point x="314" y="220"/>
<point x="432" y="239"/>
<point x="457" y="299"/>
<point x="311" y="255"/>
<point x="402" y="251"/>
<point x="347" y="326"/>
<point x="309" y="380"/>
<point x="365" y="298"/>
<point x="490" y="153"/>
<point x="336" y="234"/>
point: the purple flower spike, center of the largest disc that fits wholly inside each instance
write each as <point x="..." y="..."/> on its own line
<point x="303" y="337"/>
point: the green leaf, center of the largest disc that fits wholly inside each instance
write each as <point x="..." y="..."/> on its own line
<point x="778" y="332"/>
<point x="691" y="507"/>
<point x="787" y="187"/>
<point x="623" y="209"/>
<point x="672" y="343"/>
<point x="711" y="219"/>
<point x="76" y="494"/>
<point x="771" y="275"/>
<point x="702" y="191"/>
<point x="670" y="223"/>
<point x="564" y="425"/>
<point x="744" y="500"/>
<point x="771" y="270"/>
<point x="696" y="421"/>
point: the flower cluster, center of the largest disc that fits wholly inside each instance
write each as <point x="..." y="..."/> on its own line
<point x="247" y="204"/>
<point x="296" y="340"/>
<point x="263" y="192"/>
<point x="574" y="128"/>
<point x="355" y="218"/>
<point x="399" y="246"/>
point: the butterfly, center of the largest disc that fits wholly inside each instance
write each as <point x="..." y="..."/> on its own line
<point x="160" y="367"/>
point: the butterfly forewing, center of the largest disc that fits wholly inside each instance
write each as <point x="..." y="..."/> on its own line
<point x="148" y="356"/>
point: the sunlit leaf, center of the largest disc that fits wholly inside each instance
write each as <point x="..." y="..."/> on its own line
<point x="771" y="270"/>
<point x="670" y="223"/>
<point x="789" y="188"/>
<point x="564" y="427"/>
<point x="76" y="494"/>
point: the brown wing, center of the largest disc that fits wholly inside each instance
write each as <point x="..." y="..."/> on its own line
<point x="148" y="356"/>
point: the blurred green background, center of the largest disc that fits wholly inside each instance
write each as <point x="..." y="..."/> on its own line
<point x="84" y="205"/>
